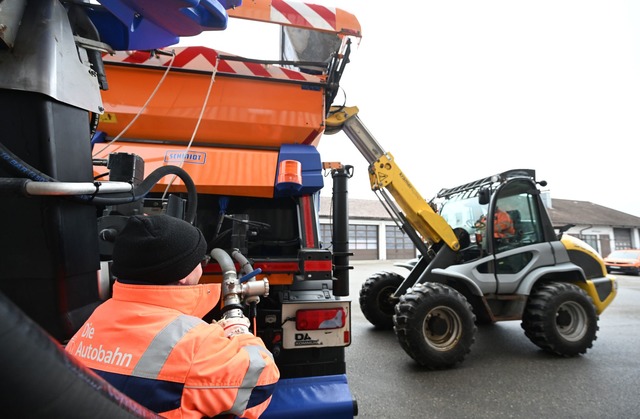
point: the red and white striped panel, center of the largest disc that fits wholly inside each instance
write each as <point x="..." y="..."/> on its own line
<point x="204" y="59"/>
<point x="298" y="14"/>
<point x="306" y="15"/>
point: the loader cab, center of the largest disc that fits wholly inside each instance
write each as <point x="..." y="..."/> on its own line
<point x="517" y="201"/>
<point x="509" y="254"/>
<point x="513" y="206"/>
<point x="517" y="236"/>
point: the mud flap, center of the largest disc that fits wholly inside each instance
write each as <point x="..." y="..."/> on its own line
<point x="317" y="397"/>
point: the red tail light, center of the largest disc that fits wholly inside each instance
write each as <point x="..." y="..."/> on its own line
<point x="320" y="319"/>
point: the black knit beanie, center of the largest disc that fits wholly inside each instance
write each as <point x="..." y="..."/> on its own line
<point x="156" y="249"/>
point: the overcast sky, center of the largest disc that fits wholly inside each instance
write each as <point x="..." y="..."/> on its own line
<point x="459" y="90"/>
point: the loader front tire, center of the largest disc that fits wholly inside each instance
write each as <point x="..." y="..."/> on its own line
<point x="435" y="325"/>
<point x="561" y="319"/>
<point x="375" y="298"/>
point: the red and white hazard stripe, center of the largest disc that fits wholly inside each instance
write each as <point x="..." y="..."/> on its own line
<point x="307" y="15"/>
<point x="204" y="59"/>
<point x="299" y="14"/>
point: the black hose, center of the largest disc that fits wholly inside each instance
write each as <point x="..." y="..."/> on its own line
<point x="93" y="124"/>
<point x="13" y="184"/>
<point x="145" y="187"/>
<point x="24" y="170"/>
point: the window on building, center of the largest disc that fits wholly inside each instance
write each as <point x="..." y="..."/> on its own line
<point x="590" y="239"/>
<point x="326" y="234"/>
<point x="363" y="237"/>
<point x="397" y="239"/>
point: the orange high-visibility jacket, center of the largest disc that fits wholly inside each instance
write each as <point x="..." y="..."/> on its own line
<point x="503" y="225"/>
<point x="150" y="342"/>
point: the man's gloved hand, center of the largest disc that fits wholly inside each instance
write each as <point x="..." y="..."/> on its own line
<point x="235" y="326"/>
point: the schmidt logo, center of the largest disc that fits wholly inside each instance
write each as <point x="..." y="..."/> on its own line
<point x="194" y="157"/>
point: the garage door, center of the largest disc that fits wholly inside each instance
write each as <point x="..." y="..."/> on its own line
<point x="363" y="241"/>
<point x="399" y="245"/>
<point x="622" y="238"/>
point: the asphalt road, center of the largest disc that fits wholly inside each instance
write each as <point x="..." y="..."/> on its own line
<point x="505" y="375"/>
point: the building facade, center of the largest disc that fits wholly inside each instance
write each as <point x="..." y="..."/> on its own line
<point x="374" y="235"/>
<point x="605" y="229"/>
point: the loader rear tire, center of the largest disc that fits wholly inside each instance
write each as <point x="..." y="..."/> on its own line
<point x="375" y="298"/>
<point x="561" y="319"/>
<point x="435" y="325"/>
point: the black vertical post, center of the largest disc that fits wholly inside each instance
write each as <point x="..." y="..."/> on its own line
<point x="340" y="240"/>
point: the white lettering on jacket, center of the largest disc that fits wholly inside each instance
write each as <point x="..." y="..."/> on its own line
<point x="101" y="354"/>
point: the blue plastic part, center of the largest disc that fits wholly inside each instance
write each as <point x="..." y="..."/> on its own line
<point x="98" y="137"/>
<point x="309" y="157"/>
<point x="143" y="35"/>
<point x="318" y="397"/>
<point x="223" y="202"/>
<point x="150" y="24"/>
<point x="288" y="188"/>
<point x="250" y="275"/>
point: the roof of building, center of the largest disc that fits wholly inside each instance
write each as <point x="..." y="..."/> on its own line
<point x="568" y="211"/>
<point x="370" y="209"/>
<point x="562" y="212"/>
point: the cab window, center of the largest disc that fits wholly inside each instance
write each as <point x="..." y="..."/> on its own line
<point x="516" y="209"/>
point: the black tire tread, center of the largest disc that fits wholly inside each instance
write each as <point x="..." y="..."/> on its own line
<point x="380" y="317"/>
<point x="408" y="326"/>
<point x="537" y="315"/>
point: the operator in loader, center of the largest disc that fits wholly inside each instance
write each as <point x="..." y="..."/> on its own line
<point x="503" y="227"/>
<point x="150" y="342"/>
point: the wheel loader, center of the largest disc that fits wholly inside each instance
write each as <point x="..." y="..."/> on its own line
<point x="472" y="270"/>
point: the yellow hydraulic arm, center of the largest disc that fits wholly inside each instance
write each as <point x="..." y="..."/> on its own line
<point x="385" y="175"/>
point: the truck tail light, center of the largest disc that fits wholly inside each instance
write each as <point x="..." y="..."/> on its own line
<point x="320" y="319"/>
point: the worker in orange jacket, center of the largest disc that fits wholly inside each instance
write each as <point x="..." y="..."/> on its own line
<point x="502" y="226"/>
<point x="150" y="342"/>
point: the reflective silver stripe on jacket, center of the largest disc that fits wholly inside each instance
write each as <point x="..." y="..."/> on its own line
<point x="256" y="366"/>
<point x="154" y="358"/>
